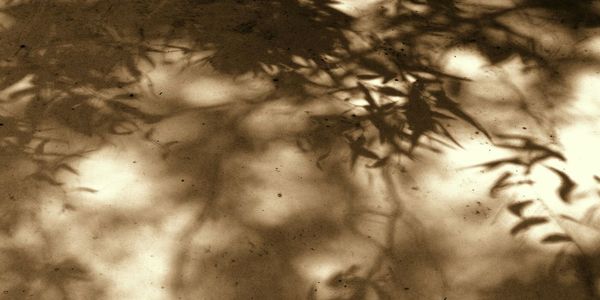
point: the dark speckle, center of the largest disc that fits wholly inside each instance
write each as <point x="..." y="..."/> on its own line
<point x="246" y="27"/>
<point x="279" y="195"/>
<point x="23" y="46"/>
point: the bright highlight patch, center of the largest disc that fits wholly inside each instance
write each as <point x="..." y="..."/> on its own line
<point x="463" y="63"/>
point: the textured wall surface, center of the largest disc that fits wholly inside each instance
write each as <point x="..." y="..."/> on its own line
<point x="298" y="149"/>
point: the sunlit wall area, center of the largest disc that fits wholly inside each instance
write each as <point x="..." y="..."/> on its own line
<point x="299" y="149"/>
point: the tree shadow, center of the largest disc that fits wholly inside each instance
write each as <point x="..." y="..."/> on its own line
<point x="82" y="66"/>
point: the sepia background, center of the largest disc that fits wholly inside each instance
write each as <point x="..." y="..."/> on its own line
<point x="299" y="149"/>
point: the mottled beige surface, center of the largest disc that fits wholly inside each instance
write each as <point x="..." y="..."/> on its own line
<point x="221" y="200"/>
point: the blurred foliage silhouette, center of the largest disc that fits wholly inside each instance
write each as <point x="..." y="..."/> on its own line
<point x="369" y="94"/>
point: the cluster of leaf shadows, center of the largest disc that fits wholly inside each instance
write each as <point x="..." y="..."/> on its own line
<point x="81" y="62"/>
<point x="580" y="233"/>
